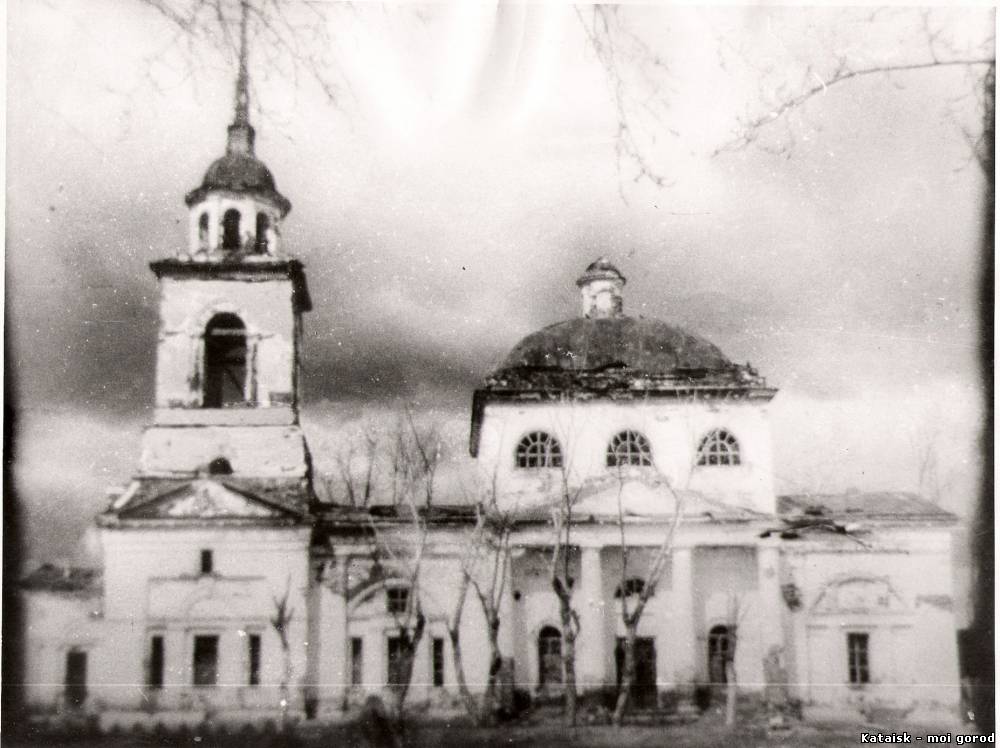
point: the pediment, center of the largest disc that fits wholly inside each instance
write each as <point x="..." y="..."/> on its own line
<point x="859" y="595"/>
<point x="205" y="499"/>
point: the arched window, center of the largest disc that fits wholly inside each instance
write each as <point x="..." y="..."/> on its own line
<point x="220" y="466"/>
<point x="263" y="224"/>
<point x="629" y="448"/>
<point x="633" y="586"/>
<point x="719" y="653"/>
<point x="539" y="450"/>
<point x="719" y="448"/>
<point x="225" y="361"/>
<point x="203" y="231"/>
<point x="550" y="666"/>
<point x="231" y="229"/>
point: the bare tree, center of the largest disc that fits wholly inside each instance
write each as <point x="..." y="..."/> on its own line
<point x="561" y="578"/>
<point x="631" y="613"/>
<point x="485" y="569"/>
<point x="417" y="453"/>
<point x="640" y="74"/>
<point x="734" y="614"/>
<point x="280" y="621"/>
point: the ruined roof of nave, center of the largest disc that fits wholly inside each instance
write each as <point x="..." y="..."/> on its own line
<point x="891" y="505"/>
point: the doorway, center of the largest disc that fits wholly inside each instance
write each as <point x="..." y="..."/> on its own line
<point x="643" y="692"/>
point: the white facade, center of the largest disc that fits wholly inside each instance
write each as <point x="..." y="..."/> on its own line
<point x="229" y="594"/>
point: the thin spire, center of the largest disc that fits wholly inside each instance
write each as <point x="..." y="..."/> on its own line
<point x="241" y="134"/>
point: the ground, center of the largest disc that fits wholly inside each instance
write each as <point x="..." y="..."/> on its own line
<point x="707" y="732"/>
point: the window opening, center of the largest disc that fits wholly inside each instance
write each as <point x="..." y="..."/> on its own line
<point x="437" y="661"/>
<point x="231" y="230"/>
<point x="629" y="448"/>
<point x="550" y="666"/>
<point x="539" y="450"/>
<point x="397" y="599"/>
<point x="207" y="562"/>
<point x="220" y="466"/>
<point x="633" y="586"/>
<point x="263" y="224"/>
<point x="225" y="361"/>
<point x="76" y="677"/>
<point x="206" y="660"/>
<point x="719" y="447"/>
<point x="857" y="658"/>
<point x="357" y="661"/>
<point x="155" y="662"/>
<point x="253" y="660"/>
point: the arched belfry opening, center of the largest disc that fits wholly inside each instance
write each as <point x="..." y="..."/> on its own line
<point x="263" y="225"/>
<point x="225" y="361"/>
<point x="231" y="230"/>
<point x="203" y="231"/>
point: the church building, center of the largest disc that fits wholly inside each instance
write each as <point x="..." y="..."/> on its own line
<point x="229" y="592"/>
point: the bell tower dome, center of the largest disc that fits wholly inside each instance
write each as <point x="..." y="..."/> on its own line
<point x="231" y="306"/>
<point x="236" y="212"/>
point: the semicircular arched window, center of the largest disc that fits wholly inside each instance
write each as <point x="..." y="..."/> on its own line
<point x="539" y="450"/>
<point x="629" y="448"/>
<point x="719" y="447"/>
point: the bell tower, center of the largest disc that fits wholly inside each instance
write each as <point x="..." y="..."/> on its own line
<point x="231" y="305"/>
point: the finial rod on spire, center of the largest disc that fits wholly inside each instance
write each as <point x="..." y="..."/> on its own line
<point x="242" y="94"/>
<point x="241" y="134"/>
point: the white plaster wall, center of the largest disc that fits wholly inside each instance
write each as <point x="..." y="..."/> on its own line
<point x="674" y="430"/>
<point x="187" y="305"/>
<point x="254" y="451"/>
<point x="913" y="648"/>
<point x="153" y="586"/>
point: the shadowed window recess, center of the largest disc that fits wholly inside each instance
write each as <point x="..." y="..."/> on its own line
<point x="263" y="224"/>
<point x="225" y="361"/>
<point x="397" y="599"/>
<point x="857" y="659"/>
<point x="633" y="586"/>
<point x="253" y="660"/>
<point x="75" y="685"/>
<point x="357" y="661"/>
<point x="719" y="447"/>
<point x="629" y="448"/>
<point x="155" y="679"/>
<point x="539" y="450"/>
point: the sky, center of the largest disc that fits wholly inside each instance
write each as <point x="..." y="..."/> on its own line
<point x="452" y="170"/>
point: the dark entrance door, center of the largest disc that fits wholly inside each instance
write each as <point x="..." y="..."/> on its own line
<point x="643" y="693"/>
<point x="76" y="677"/>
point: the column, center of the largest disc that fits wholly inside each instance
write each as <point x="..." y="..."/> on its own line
<point x="772" y="635"/>
<point x="683" y="647"/>
<point x="591" y="644"/>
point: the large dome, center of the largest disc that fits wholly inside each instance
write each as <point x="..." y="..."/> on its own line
<point x="646" y="346"/>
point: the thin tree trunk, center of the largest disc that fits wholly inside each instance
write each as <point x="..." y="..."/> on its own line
<point x="568" y="656"/>
<point x="468" y="700"/>
<point x="628" y="674"/>
<point x="496" y="662"/>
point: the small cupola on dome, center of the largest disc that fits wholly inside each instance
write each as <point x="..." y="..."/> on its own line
<point x="236" y="211"/>
<point x="601" y="290"/>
